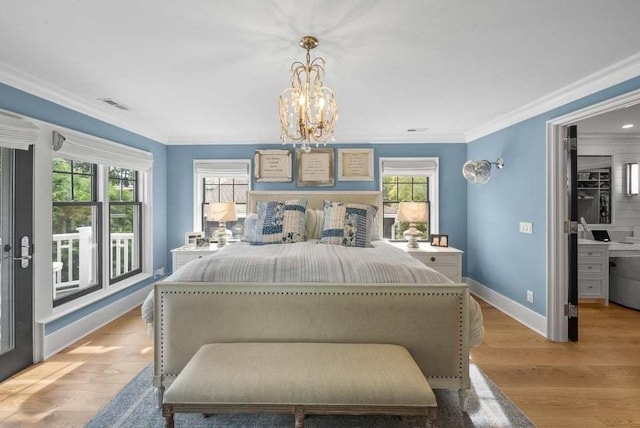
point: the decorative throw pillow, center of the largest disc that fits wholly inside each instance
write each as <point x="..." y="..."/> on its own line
<point x="347" y="224"/>
<point x="280" y="222"/>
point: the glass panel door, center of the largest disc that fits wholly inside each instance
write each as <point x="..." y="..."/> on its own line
<point x="16" y="284"/>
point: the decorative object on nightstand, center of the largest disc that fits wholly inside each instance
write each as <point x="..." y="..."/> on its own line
<point x="439" y="240"/>
<point x="221" y="212"/>
<point x="413" y="212"/>
<point x="238" y="230"/>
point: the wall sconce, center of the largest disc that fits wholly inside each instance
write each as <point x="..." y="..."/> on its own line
<point x="633" y="182"/>
<point x="479" y="171"/>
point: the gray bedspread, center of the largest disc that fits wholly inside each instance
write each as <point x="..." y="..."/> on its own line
<point x="313" y="262"/>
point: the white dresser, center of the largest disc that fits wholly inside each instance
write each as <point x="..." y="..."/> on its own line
<point x="182" y="255"/>
<point x="446" y="260"/>
<point x="593" y="269"/>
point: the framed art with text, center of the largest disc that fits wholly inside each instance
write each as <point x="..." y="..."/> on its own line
<point x="272" y="165"/>
<point x="315" y="168"/>
<point x="355" y="164"/>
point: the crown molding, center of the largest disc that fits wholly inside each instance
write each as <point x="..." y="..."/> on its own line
<point x="605" y="78"/>
<point x="34" y="86"/>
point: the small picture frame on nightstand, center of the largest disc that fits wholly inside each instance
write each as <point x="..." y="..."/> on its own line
<point x="191" y="239"/>
<point x="439" y="240"/>
<point x="202" y="242"/>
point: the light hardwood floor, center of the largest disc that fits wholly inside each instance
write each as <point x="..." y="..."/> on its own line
<point x="593" y="383"/>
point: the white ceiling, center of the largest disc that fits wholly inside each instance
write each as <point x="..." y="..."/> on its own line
<point x="211" y="71"/>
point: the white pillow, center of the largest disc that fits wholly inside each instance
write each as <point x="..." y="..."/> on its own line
<point x="315" y="221"/>
<point x="250" y="224"/>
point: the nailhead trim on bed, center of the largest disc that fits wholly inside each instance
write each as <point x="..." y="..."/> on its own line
<point x="320" y="293"/>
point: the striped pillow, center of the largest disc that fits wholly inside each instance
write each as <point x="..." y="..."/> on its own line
<point x="280" y="222"/>
<point x="348" y="224"/>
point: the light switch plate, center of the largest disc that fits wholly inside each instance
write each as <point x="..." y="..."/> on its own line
<point x="526" y="227"/>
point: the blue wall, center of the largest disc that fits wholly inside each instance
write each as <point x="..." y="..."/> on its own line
<point x="498" y="256"/>
<point x="38" y="108"/>
<point x="452" y="188"/>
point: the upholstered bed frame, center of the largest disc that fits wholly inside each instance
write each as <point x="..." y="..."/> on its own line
<point x="431" y="321"/>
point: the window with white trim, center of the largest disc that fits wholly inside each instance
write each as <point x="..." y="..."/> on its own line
<point x="408" y="179"/>
<point x="99" y="192"/>
<point x="220" y="180"/>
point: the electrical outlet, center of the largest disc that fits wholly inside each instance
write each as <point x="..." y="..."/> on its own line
<point x="526" y="227"/>
<point x="529" y="296"/>
<point x="158" y="272"/>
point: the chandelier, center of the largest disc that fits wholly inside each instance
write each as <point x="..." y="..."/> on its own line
<point x="308" y="110"/>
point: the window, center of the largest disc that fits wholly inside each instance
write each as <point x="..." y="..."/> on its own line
<point x="220" y="181"/>
<point x="124" y="224"/>
<point x="99" y="190"/>
<point x="408" y="179"/>
<point x="76" y="229"/>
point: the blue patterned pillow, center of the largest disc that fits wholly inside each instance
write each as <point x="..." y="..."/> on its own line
<point x="280" y="222"/>
<point x="348" y="224"/>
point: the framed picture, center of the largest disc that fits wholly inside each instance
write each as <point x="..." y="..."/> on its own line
<point x="272" y="165"/>
<point x="315" y="168"/>
<point x="202" y="242"/>
<point x="355" y="164"/>
<point x="191" y="239"/>
<point x="439" y="240"/>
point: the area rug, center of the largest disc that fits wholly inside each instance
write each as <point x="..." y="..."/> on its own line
<point x="135" y="406"/>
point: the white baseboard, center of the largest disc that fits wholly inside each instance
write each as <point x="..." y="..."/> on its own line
<point x="515" y="310"/>
<point x="60" y="339"/>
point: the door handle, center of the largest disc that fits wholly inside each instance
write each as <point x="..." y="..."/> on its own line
<point x="24" y="253"/>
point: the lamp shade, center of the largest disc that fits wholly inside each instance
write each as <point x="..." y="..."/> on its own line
<point x="221" y="211"/>
<point x="413" y="212"/>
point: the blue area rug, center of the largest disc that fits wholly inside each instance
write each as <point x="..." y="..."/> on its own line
<point x="135" y="407"/>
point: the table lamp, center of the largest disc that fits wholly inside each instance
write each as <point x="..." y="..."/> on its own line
<point x="221" y="212"/>
<point x="413" y="212"/>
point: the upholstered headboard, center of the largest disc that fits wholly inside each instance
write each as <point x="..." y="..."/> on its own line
<point x="315" y="199"/>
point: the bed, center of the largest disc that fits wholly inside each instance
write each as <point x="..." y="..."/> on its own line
<point x="310" y="291"/>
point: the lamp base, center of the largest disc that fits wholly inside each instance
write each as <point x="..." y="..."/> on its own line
<point x="411" y="235"/>
<point x="221" y="235"/>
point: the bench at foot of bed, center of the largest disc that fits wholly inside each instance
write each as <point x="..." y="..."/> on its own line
<point x="300" y="378"/>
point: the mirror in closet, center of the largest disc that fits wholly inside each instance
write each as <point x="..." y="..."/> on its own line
<point x="594" y="189"/>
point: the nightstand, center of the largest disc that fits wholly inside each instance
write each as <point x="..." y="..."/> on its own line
<point x="446" y="260"/>
<point x="182" y="255"/>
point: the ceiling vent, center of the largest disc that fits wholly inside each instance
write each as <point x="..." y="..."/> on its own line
<point x="417" y="130"/>
<point x="113" y="103"/>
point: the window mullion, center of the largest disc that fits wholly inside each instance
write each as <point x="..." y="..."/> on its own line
<point x="102" y="195"/>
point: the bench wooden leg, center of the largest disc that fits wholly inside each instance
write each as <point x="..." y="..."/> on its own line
<point x="167" y="412"/>
<point x="464" y="398"/>
<point x="299" y="414"/>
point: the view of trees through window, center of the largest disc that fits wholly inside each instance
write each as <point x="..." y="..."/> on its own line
<point x="77" y="226"/>
<point x="398" y="189"/>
